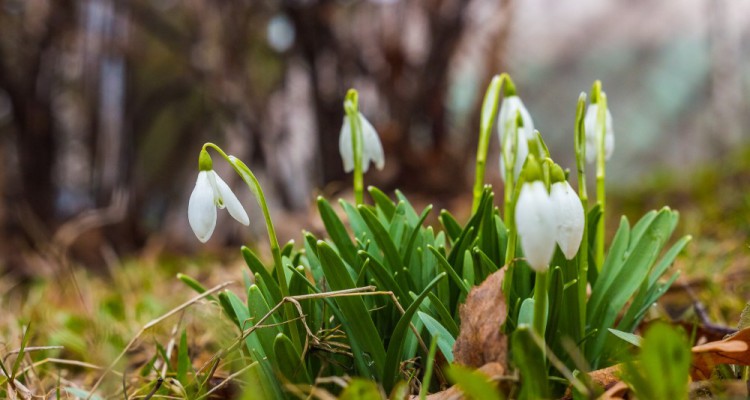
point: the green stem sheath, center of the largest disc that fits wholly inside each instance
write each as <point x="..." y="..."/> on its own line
<point x="359" y="197"/>
<point x="601" y="172"/>
<point x="252" y="182"/>
<point x="541" y="300"/>
<point x="488" y="116"/>
<point x="583" y="251"/>
<point x="355" y="125"/>
<point x="509" y="158"/>
<point x="583" y="272"/>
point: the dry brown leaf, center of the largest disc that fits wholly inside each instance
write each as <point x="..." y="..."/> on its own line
<point x="492" y="370"/>
<point x="734" y="349"/>
<point x="618" y="391"/>
<point x="480" y="341"/>
<point x="607" y="378"/>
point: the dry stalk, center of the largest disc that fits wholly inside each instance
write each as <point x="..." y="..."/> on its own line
<point x="150" y="325"/>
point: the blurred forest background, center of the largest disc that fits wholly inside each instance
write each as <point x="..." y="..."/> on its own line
<point x="104" y="103"/>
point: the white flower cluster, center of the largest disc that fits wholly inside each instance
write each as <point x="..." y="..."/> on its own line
<point x="544" y="220"/>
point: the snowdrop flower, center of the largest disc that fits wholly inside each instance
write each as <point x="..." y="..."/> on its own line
<point x="591" y="127"/>
<point x="535" y="223"/>
<point x="510" y="108"/>
<point x="372" y="150"/>
<point x="568" y="212"/>
<point x="209" y="193"/>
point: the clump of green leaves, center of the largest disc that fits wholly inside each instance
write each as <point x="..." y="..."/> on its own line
<point x="662" y="368"/>
<point x="364" y="300"/>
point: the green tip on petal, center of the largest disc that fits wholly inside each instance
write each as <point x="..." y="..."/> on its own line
<point x="556" y="174"/>
<point x="532" y="170"/>
<point x="204" y="161"/>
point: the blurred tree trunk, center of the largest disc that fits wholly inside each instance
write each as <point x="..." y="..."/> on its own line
<point x="27" y="81"/>
<point x="315" y="39"/>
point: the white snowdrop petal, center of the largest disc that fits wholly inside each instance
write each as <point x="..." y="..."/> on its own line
<point x="535" y="225"/>
<point x="508" y="110"/>
<point x="521" y="155"/>
<point x="590" y="127"/>
<point x="609" y="138"/>
<point x="231" y="202"/>
<point x="345" y="146"/>
<point x="201" y="208"/>
<point x="371" y="146"/>
<point x="528" y="123"/>
<point x="568" y="213"/>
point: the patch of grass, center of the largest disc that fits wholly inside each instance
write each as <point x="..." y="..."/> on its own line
<point x="79" y="328"/>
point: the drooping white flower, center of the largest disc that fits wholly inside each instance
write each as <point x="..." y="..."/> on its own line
<point x="535" y="223"/>
<point x="509" y="109"/>
<point x="372" y="150"/>
<point x="590" y="124"/>
<point x="568" y="213"/>
<point x="209" y="193"/>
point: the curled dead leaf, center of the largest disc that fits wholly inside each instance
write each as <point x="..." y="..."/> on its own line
<point x="606" y="378"/>
<point x="481" y="341"/>
<point x="734" y="349"/>
<point x="618" y="391"/>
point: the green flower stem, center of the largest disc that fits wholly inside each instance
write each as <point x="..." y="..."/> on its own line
<point x="601" y="172"/>
<point x="488" y="116"/>
<point x="352" y="112"/>
<point x="583" y="259"/>
<point x="509" y="148"/>
<point x="252" y="182"/>
<point x="541" y="298"/>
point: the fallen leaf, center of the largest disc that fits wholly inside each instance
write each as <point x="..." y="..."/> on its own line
<point x="606" y="378"/>
<point x="734" y="349"/>
<point x="492" y="370"/>
<point x="480" y="340"/>
<point x="618" y="391"/>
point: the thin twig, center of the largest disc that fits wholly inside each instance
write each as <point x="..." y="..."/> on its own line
<point x="702" y="314"/>
<point x="156" y="388"/>
<point x="225" y="381"/>
<point x="32" y="348"/>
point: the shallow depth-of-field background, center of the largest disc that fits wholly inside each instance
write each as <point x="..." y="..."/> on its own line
<point x="104" y="106"/>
